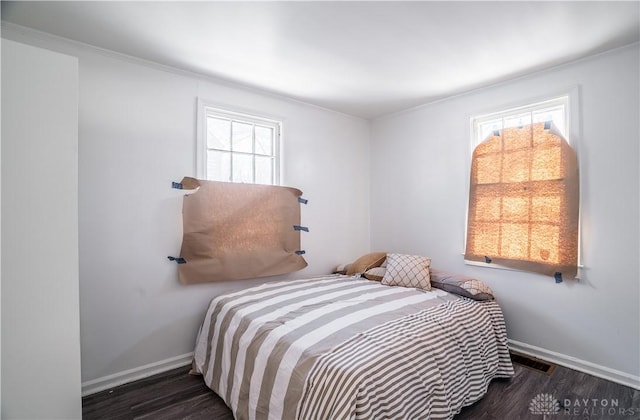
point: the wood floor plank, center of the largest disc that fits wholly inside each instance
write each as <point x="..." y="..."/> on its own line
<point x="510" y="399"/>
<point x="203" y="406"/>
<point x="118" y="401"/>
<point x="170" y="396"/>
<point x="176" y="395"/>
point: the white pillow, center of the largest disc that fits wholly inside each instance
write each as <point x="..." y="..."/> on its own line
<point x="407" y="271"/>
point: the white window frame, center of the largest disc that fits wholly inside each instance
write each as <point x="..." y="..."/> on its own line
<point x="206" y="109"/>
<point x="565" y="130"/>
<point x="570" y="98"/>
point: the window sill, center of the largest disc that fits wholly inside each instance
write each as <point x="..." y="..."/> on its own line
<point x="502" y="267"/>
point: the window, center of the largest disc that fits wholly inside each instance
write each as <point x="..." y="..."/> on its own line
<point x="237" y="147"/>
<point x="524" y="190"/>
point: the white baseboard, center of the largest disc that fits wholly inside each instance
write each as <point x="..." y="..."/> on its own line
<point x="574" y="363"/>
<point x="110" y="381"/>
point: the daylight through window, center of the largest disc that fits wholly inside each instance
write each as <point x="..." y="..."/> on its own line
<point x="239" y="148"/>
<point x="524" y="192"/>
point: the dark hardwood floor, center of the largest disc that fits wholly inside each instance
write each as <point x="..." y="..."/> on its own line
<point x="177" y="395"/>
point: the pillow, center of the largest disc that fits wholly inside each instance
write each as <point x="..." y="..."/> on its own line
<point x="407" y="271"/>
<point x="461" y="285"/>
<point x="366" y="262"/>
<point x="375" y="273"/>
<point x="341" y="269"/>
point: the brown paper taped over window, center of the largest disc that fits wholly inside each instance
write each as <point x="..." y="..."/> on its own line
<point x="238" y="231"/>
<point x="524" y="201"/>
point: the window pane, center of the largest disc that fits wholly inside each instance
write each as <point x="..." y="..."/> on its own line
<point x="544" y="243"/>
<point x="487" y="128"/>
<point x="487" y="208"/>
<point x="242" y="168"/>
<point x="264" y="140"/>
<point x="556" y="115"/>
<point x="264" y="170"/>
<point x="518" y="120"/>
<point x="242" y="137"/>
<point x="488" y="169"/>
<point x="514" y="241"/>
<point x="547" y="164"/>
<point x="486" y="238"/>
<point x="517" y="138"/>
<point x="494" y="145"/>
<point x="546" y="208"/>
<point x="515" y="166"/>
<point x="218" y="165"/>
<point x="515" y="209"/>
<point x="218" y="133"/>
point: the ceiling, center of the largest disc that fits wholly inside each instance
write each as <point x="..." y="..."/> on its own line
<point x="361" y="58"/>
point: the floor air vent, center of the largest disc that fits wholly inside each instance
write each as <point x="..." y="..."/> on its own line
<point x="533" y="363"/>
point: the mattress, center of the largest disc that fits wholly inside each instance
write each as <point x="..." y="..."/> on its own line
<point x="341" y="347"/>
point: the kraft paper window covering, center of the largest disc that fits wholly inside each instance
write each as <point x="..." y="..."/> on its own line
<point x="524" y="201"/>
<point x="237" y="231"/>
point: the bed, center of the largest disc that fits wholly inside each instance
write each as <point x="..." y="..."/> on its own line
<point x="345" y="347"/>
<point x="340" y="347"/>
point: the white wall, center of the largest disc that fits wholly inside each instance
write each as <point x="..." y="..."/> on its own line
<point x="40" y="315"/>
<point x="0" y="233"/>
<point x="419" y="178"/>
<point x="137" y="133"/>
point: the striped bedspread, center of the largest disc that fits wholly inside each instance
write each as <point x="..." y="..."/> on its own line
<point x="348" y="348"/>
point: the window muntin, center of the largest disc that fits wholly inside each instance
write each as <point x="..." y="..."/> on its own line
<point x="553" y="110"/>
<point x="237" y="147"/>
<point x="523" y="198"/>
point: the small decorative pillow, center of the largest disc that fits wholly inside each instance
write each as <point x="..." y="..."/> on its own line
<point x="461" y="285"/>
<point x="407" y="271"/>
<point x="341" y="269"/>
<point x="367" y="261"/>
<point x="375" y="273"/>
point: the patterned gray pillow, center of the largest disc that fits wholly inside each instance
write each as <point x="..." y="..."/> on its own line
<point x="407" y="271"/>
<point x="461" y="285"/>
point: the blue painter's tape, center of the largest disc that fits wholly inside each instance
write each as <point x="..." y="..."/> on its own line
<point x="558" y="277"/>
<point x="302" y="200"/>
<point x="487" y="259"/>
<point x="176" y="185"/>
<point x="178" y="260"/>
<point x="304" y="228"/>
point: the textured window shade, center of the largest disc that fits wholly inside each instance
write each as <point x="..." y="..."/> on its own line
<point x="238" y="231"/>
<point x="523" y="201"/>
